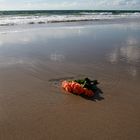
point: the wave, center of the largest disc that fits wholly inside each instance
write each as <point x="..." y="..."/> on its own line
<point x="59" y="16"/>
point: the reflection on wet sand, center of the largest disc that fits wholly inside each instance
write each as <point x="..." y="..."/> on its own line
<point x="129" y="49"/>
<point x="34" y="62"/>
<point x="128" y="52"/>
<point x="57" y="57"/>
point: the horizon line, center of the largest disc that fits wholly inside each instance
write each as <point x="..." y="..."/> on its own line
<point x="69" y="10"/>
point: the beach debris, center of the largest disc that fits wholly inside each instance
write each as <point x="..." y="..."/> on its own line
<point x="81" y="87"/>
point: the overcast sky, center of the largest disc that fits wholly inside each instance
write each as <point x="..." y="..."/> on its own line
<point x="69" y="4"/>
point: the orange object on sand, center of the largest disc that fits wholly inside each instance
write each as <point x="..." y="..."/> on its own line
<point x="76" y="88"/>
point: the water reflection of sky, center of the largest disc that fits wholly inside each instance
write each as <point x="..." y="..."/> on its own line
<point x="128" y="52"/>
<point x="26" y="36"/>
<point x="131" y="51"/>
<point x="25" y="46"/>
<point x="57" y="57"/>
<point x="114" y="43"/>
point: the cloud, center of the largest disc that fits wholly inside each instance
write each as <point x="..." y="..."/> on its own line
<point x="37" y="5"/>
<point x="126" y="2"/>
<point x="69" y="4"/>
<point x="50" y="5"/>
<point x="43" y="4"/>
<point x="117" y="4"/>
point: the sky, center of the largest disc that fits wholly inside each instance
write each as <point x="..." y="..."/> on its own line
<point x="69" y="4"/>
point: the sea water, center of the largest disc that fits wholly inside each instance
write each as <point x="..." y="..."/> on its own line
<point x="10" y="18"/>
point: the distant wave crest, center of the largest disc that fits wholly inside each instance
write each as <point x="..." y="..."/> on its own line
<point x="44" y="17"/>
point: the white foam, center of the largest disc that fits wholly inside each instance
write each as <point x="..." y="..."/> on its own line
<point x="34" y="19"/>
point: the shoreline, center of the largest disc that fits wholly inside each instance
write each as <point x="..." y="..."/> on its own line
<point x="78" y="24"/>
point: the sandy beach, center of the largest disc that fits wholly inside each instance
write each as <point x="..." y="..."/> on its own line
<point x="35" y="59"/>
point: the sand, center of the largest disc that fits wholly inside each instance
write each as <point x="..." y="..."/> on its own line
<point x="34" y="61"/>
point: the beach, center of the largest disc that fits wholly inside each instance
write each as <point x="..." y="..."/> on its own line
<point x="35" y="59"/>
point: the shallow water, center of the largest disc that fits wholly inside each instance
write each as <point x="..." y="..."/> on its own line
<point x="106" y="46"/>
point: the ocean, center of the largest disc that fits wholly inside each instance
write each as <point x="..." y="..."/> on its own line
<point x="10" y="18"/>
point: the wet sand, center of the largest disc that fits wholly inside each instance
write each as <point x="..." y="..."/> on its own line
<point x="33" y="62"/>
